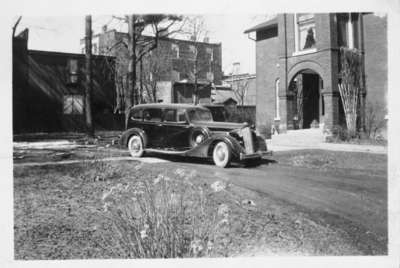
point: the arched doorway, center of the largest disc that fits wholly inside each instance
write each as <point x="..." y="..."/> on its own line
<point x="307" y="109"/>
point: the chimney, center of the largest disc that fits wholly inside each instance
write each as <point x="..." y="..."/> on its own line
<point x="104" y="28"/>
<point x="236" y="68"/>
<point x="193" y="38"/>
<point x="206" y="39"/>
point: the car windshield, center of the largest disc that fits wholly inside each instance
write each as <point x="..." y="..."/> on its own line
<point x="200" y="115"/>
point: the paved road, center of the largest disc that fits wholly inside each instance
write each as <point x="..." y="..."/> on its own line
<point x="356" y="197"/>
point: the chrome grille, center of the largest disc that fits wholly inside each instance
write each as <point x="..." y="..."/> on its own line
<point x="248" y="140"/>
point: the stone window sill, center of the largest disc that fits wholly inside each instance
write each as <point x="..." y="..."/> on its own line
<point x="304" y="52"/>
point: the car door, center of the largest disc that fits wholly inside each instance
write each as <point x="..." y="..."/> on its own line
<point x="178" y="128"/>
<point x="152" y="125"/>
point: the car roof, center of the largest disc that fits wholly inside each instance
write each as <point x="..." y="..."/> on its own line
<point x="167" y="105"/>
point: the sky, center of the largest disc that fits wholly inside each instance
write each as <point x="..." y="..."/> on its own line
<point x="63" y="34"/>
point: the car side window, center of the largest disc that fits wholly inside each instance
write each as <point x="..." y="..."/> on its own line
<point x="181" y="116"/>
<point x="170" y="115"/>
<point x="152" y="115"/>
<point x="137" y="114"/>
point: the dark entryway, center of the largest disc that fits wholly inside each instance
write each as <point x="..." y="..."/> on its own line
<point x="310" y="99"/>
<point x="308" y="107"/>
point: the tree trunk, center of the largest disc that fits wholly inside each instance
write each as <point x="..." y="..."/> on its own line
<point x="130" y="98"/>
<point x="141" y="82"/>
<point x="195" y="93"/>
<point x="88" y="69"/>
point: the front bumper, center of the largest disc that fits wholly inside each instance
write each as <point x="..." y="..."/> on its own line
<point x="255" y="155"/>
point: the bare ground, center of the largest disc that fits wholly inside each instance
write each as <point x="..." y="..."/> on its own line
<point x="58" y="210"/>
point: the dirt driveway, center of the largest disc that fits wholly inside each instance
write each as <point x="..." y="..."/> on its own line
<point x="353" y="201"/>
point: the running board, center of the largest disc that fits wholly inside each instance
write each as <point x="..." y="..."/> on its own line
<point x="166" y="151"/>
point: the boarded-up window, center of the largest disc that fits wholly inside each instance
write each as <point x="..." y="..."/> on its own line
<point x="73" y="104"/>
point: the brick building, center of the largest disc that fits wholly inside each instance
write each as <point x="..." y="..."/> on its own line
<point x="48" y="90"/>
<point x="301" y="53"/>
<point x="168" y="69"/>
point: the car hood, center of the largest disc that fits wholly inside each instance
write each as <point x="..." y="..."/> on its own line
<point x="220" y="126"/>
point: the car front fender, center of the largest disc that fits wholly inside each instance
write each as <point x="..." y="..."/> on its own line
<point x="233" y="144"/>
<point x="123" y="142"/>
<point x="204" y="149"/>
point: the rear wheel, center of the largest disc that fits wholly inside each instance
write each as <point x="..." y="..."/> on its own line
<point x="135" y="146"/>
<point x="222" y="154"/>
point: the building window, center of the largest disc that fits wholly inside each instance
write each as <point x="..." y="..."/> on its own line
<point x="176" y="76"/>
<point x="210" y="76"/>
<point x="193" y="52"/>
<point x="277" y="99"/>
<point x="305" y="34"/>
<point x="94" y="48"/>
<point x="73" y="104"/>
<point x="347" y="27"/>
<point x="73" y="69"/>
<point x="175" y="51"/>
<point x="210" y="52"/>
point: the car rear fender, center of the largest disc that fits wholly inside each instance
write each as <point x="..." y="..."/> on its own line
<point x="123" y="142"/>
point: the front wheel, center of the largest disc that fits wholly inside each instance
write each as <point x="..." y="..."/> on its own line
<point x="222" y="154"/>
<point x="135" y="146"/>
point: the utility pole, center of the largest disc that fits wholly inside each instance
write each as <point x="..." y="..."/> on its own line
<point x="132" y="60"/>
<point x="88" y="72"/>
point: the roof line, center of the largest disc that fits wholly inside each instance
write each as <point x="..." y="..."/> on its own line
<point x="263" y="26"/>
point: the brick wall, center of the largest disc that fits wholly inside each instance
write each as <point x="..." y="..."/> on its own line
<point x="267" y="73"/>
<point x="277" y="58"/>
<point x="375" y="45"/>
<point x="174" y="69"/>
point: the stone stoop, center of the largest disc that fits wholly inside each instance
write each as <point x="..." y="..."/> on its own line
<point x="302" y="137"/>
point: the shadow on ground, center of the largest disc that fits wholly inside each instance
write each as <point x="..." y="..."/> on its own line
<point x="206" y="161"/>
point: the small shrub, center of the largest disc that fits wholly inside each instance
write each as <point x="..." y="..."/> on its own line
<point x="340" y="133"/>
<point x="374" y="119"/>
<point x="162" y="218"/>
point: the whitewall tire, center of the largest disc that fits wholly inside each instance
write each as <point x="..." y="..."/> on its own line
<point x="222" y="154"/>
<point x="135" y="146"/>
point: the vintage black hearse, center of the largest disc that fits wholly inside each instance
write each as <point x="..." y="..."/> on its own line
<point x="189" y="130"/>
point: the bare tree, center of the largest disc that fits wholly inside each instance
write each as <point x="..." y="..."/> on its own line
<point x="137" y="47"/>
<point x="240" y="87"/>
<point x="155" y="66"/>
<point x="196" y="64"/>
<point x="350" y="85"/>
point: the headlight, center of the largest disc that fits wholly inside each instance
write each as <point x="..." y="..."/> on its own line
<point x="199" y="139"/>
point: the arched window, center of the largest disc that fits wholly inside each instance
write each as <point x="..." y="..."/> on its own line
<point x="277" y="99"/>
